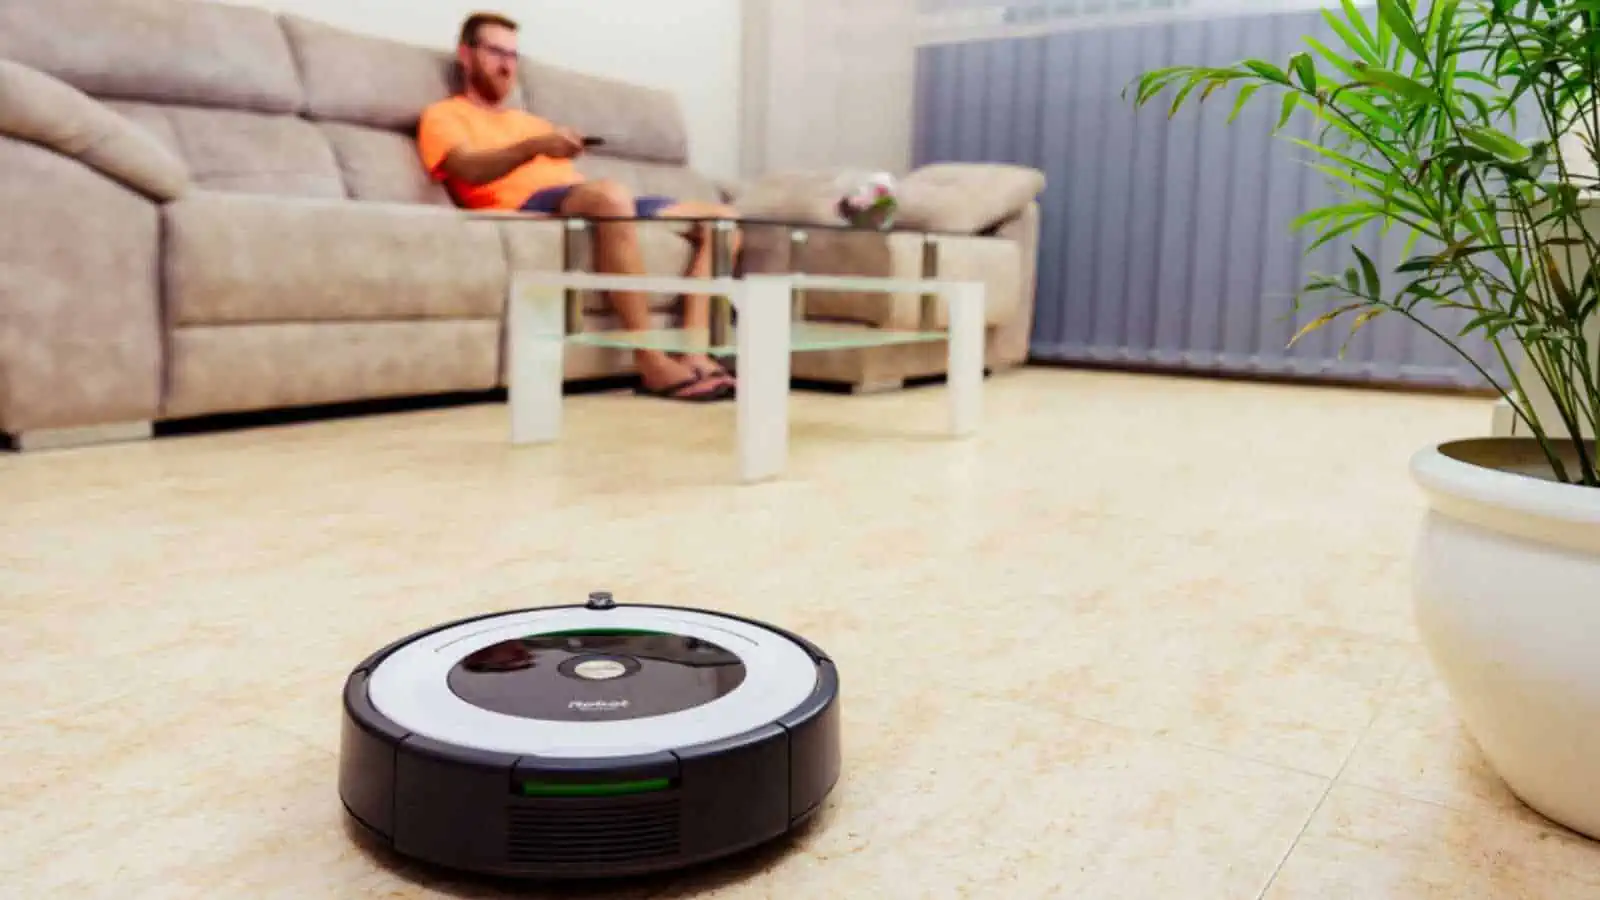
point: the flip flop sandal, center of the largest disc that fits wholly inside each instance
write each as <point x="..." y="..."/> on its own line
<point x="680" y="390"/>
<point x="712" y="372"/>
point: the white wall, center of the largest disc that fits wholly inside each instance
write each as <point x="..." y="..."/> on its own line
<point x="830" y="84"/>
<point x="689" y="47"/>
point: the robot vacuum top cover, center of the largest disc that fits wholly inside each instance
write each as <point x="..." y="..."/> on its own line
<point x="588" y="683"/>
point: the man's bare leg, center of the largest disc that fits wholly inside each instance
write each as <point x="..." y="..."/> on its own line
<point x="697" y="307"/>
<point x="617" y="253"/>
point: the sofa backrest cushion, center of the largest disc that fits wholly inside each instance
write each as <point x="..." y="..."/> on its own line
<point x="364" y="80"/>
<point x="366" y="95"/>
<point x="382" y="165"/>
<point x="248" y="152"/>
<point x="637" y="122"/>
<point x="164" y="51"/>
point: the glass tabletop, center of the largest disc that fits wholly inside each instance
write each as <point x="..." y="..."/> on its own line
<point x="736" y="220"/>
<point x="803" y="337"/>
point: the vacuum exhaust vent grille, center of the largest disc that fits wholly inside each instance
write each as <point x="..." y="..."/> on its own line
<point x="560" y="832"/>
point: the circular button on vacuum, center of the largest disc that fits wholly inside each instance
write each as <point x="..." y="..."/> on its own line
<point x="600" y="669"/>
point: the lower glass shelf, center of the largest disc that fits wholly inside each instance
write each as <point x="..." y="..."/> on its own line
<point x="803" y="337"/>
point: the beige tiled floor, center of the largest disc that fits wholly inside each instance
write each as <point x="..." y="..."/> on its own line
<point x="1143" y="638"/>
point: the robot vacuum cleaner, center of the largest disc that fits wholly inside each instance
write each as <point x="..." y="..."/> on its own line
<point x="591" y="740"/>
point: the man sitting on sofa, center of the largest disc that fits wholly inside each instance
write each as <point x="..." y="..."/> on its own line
<point x="492" y="156"/>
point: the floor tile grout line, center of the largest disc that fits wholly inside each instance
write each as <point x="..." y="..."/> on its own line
<point x="1332" y="783"/>
<point x="1289" y="851"/>
<point x="1153" y="737"/>
<point x="1245" y="757"/>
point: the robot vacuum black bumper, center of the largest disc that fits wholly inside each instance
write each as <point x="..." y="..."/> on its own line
<point x="598" y="740"/>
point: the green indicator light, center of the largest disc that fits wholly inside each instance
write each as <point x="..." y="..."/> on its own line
<point x="611" y="789"/>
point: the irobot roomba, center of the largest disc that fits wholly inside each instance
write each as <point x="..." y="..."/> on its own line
<point x="596" y="739"/>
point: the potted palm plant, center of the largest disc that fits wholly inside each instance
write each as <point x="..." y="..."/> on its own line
<point x="1417" y="110"/>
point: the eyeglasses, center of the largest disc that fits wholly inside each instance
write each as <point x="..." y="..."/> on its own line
<point x="498" y="52"/>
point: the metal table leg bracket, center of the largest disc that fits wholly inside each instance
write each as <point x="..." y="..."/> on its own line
<point x="575" y="230"/>
<point x="721" y="266"/>
<point x="928" y="314"/>
<point x="798" y="237"/>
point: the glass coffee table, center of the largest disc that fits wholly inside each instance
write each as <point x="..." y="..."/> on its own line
<point x="759" y="319"/>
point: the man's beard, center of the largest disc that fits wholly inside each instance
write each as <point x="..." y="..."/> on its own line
<point x="489" y="87"/>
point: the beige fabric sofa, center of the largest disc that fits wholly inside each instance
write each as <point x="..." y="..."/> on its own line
<point x="212" y="208"/>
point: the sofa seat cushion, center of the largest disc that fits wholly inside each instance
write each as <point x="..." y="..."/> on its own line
<point x="234" y="258"/>
<point x="532" y="244"/>
<point x="235" y="368"/>
<point x="201" y="54"/>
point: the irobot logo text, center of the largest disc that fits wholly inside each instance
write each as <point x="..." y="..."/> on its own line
<point x="597" y="705"/>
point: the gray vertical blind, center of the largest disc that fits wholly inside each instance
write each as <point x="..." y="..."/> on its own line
<point x="1167" y="243"/>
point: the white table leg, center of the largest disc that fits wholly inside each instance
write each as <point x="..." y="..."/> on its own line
<point x="537" y="339"/>
<point x="965" y="380"/>
<point x="762" y="338"/>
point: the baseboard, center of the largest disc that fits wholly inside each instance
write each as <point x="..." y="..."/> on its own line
<point x="86" y="436"/>
<point x="1504" y="422"/>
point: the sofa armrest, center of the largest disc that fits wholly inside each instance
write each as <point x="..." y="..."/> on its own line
<point x="966" y="198"/>
<point x="44" y="110"/>
<point x="1012" y="339"/>
<point x="801" y="197"/>
<point x="80" y="295"/>
<point x="946" y="198"/>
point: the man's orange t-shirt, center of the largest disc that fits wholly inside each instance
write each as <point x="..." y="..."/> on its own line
<point x="459" y="122"/>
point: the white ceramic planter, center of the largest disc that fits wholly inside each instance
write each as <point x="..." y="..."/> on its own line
<point x="1507" y="593"/>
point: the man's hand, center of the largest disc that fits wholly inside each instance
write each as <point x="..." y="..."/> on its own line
<point x="563" y="143"/>
<point x="484" y="166"/>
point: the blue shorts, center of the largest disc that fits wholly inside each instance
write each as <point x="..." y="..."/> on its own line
<point x="549" y="201"/>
